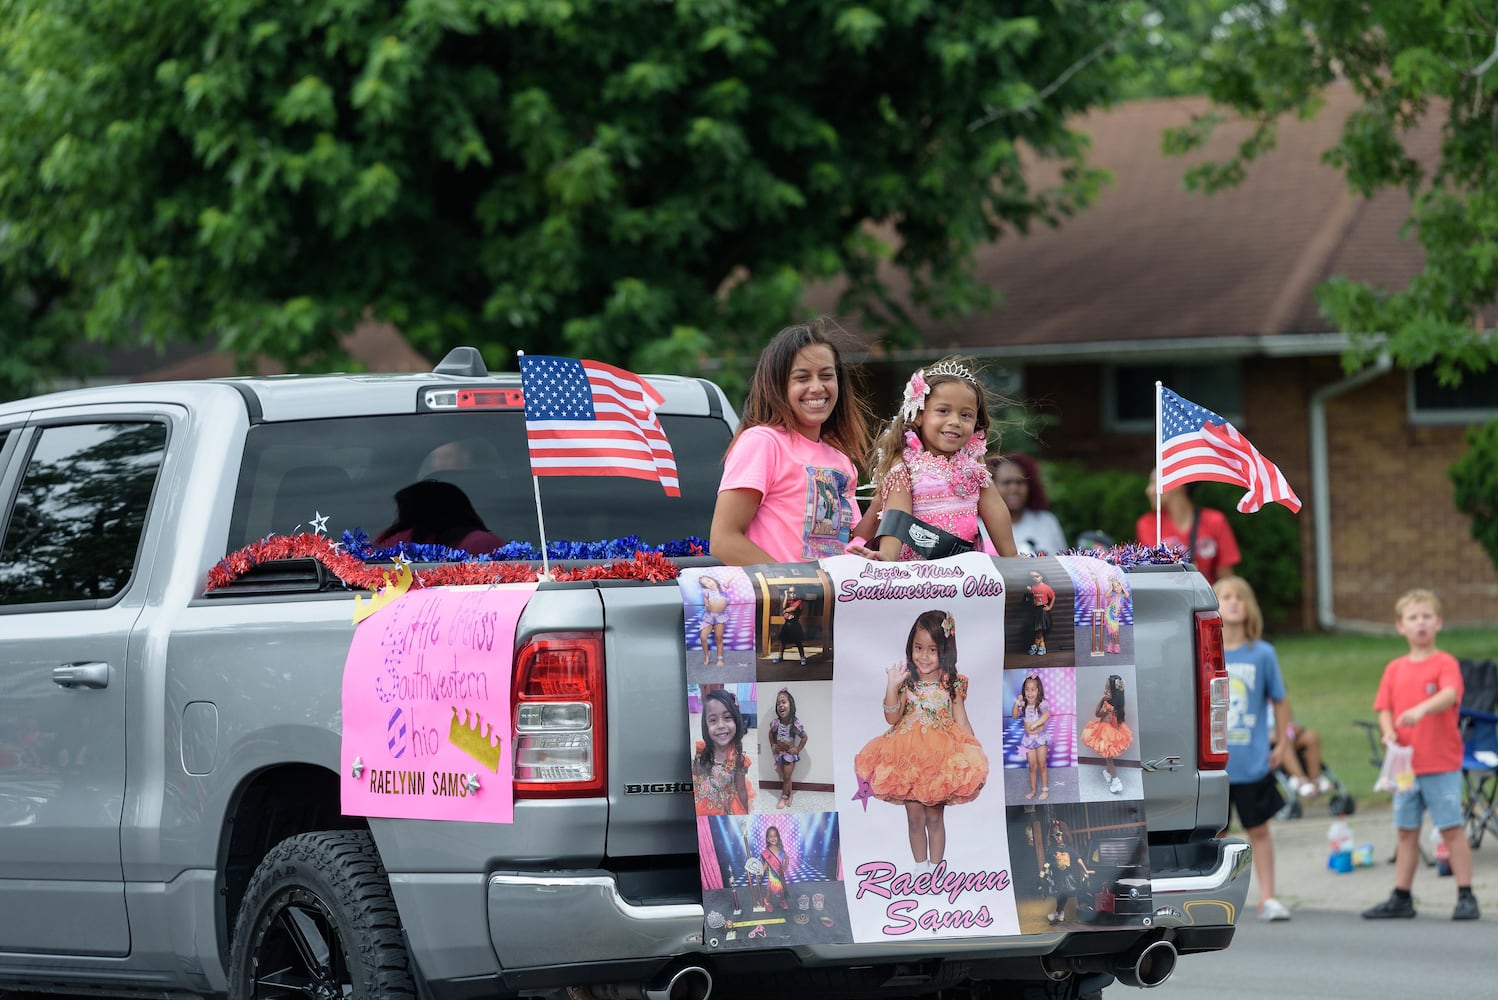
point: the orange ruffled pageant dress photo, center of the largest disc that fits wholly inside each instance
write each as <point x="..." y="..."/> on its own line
<point x="926" y="757"/>
<point x="1107" y="735"/>
<point x="715" y="791"/>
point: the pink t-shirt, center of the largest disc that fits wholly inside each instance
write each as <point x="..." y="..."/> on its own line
<point x="807" y="506"/>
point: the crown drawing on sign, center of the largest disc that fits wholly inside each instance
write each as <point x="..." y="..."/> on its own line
<point x="393" y="588"/>
<point x="475" y="739"/>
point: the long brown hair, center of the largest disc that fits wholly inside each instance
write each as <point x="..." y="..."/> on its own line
<point x="938" y="625"/>
<point x="847" y="427"/>
<point x="889" y="449"/>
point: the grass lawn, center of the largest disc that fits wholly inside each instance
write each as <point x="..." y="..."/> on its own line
<point x="1332" y="679"/>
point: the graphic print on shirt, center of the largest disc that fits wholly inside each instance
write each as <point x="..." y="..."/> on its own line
<point x="1242" y="678"/>
<point x="829" y="516"/>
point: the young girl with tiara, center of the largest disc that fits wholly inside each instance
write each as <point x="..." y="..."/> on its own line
<point x="1032" y="707"/>
<point x="1107" y="734"/>
<point x="720" y="786"/>
<point x="928" y="462"/>
<point x="929" y="758"/>
<point x="786" y="494"/>
<point x="787" y="740"/>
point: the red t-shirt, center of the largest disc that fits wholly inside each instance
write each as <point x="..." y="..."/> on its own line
<point x="1436" y="740"/>
<point x="1216" y="549"/>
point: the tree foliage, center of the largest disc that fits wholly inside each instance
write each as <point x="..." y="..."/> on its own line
<point x="1475" y="478"/>
<point x="1410" y="63"/>
<point x="642" y="181"/>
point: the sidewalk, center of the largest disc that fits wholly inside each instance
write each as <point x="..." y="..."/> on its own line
<point x="1303" y="881"/>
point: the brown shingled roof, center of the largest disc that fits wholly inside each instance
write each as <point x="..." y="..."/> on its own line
<point x="1151" y="262"/>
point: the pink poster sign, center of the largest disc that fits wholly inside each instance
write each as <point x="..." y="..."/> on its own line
<point x="426" y="706"/>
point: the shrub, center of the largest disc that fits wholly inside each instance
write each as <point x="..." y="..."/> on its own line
<point x="1475" y="476"/>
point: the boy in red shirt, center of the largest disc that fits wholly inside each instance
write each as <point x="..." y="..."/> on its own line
<point x="1417" y="707"/>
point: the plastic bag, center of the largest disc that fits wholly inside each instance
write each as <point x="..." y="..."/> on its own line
<point x="1398" y="771"/>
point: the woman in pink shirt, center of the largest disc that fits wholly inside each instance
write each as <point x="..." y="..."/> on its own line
<point x="788" y="479"/>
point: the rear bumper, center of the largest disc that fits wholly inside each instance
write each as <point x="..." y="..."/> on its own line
<point x="1207" y="896"/>
<point x="597" y="924"/>
<point x="1199" y="904"/>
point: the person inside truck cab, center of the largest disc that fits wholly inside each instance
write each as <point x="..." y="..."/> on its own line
<point x="457" y="455"/>
<point x="432" y="512"/>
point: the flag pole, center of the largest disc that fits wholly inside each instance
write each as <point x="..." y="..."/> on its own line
<point x="541" y="523"/>
<point x="1159" y="461"/>
<point x="540" y="518"/>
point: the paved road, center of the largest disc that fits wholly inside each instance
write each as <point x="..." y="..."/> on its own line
<point x="1326" y="950"/>
<point x="1324" y="954"/>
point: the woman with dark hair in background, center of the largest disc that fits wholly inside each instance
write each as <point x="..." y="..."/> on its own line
<point x="431" y="512"/>
<point x="1036" y="529"/>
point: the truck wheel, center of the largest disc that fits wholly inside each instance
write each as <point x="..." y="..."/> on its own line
<point x="318" y="923"/>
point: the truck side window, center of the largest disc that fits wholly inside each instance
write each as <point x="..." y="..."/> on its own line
<point x="75" y="529"/>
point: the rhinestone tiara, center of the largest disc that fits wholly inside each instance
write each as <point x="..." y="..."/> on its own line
<point x="953" y="369"/>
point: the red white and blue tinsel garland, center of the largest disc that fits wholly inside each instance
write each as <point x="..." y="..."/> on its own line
<point x="358" y="544"/>
<point x="356" y="562"/>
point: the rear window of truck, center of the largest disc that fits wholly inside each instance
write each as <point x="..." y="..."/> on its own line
<point x="347" y="470"/>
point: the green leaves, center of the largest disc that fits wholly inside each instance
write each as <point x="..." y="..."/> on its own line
<point x="647" y="183"/>
<point x="1475" y="478"/>
<point x="309" y="100"/>
<point x="858" y="28"/>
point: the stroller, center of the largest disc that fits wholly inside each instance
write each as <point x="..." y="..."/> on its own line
<point x="1339" y="799"/>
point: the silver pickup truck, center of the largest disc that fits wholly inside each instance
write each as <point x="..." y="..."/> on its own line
<point x="170" y="818"/>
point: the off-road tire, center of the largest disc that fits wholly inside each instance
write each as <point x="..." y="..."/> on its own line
<point x="318" y="923"/>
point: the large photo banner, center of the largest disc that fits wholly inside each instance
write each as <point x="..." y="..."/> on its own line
<point x="939" y="748"/>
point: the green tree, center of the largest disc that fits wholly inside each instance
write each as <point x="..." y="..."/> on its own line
<point x="1409" y="63"/>
<point x="1475" y="479"/>
<point x="643" y="182"/>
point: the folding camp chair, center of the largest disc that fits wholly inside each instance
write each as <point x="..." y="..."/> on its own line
<point x="1479" y="726"/>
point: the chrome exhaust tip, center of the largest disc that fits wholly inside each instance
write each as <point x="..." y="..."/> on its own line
<point x="690" y="983"/>
<point x="1150" y="967"/>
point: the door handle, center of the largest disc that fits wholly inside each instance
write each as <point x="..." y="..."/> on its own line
<point x="89" y="675"/>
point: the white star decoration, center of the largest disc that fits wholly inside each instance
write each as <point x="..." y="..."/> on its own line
<point x="319" y="522"/>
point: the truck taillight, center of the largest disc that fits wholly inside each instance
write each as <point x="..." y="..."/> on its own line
<point x="559" y="716"/>
<point x="1211" y="693"/>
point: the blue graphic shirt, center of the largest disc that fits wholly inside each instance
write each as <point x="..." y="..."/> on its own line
<point x="1253" y="681"/>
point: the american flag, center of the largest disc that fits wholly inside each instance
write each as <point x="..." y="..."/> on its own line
<point x="1196" y="444"/>
<point x="586" y="418"/>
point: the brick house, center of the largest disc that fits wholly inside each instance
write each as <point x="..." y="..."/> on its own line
<point x="1213" y="295"/>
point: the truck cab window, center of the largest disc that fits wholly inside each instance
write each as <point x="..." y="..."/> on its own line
<point x="74" y="530"/>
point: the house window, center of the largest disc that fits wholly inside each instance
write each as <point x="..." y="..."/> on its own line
<point x="1474" y="401"/>
<point x="1129" y="392"/>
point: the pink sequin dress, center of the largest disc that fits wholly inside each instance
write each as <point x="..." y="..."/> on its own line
<point x="943" y="491"/>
